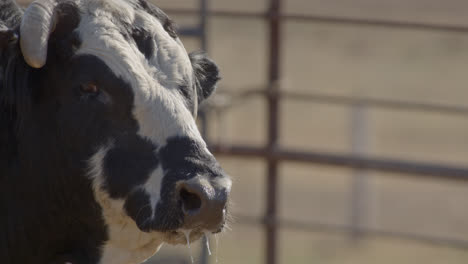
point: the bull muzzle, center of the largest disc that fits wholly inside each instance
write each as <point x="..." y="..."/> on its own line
<point x="203" y="203"/>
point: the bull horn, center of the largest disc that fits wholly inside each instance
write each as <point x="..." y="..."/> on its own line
<point x="37" y="24"/>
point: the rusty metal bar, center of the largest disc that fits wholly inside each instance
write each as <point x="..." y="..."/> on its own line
<point x="203" y="5"/>
<point x="311" y="226"/>
<point x="350" y="101"/>
<point x="330" y="20"/>
<point x="271" y="234"/>
<point x="376" y="102"/>
<point x="348" y="161"/>
<point x="218" y="13"/>
<point x="203" y="23"/>
<point x="201" y="33"/>
<point x="190" y="32"/>
<point x="360" y="198"/>
<point x="378" y="23"/>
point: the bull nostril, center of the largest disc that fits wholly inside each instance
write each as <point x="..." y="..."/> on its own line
<point x="203" y="206"/>
<point x="191" y="202"/>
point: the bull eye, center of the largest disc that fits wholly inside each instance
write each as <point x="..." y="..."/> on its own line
<point x="89" y="88"/>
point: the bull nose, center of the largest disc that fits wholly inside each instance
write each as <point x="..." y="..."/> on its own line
<point x="202" y="204"/>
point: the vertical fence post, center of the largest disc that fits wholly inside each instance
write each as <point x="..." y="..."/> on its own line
<point x="203" y="9"/>
<point x="202" y="115"/>
<point x="360" y="186"/>
<point x="203" y="19"/>
<point x="273" y="131"/>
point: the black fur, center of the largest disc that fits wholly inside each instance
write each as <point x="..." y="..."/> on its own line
<point x="140" y="214"/>
<point x="144" y="42"/>
<point x="48" y="209"/>
<point x="64" y="41"/>
<point x="118" y="166"/>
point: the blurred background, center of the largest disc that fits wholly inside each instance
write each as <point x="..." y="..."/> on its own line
<point x="344" y="125"/>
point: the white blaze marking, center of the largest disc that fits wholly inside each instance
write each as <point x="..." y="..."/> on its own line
<point x="153" y="187"/>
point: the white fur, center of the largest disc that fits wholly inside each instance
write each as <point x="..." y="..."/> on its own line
<point x="159" y="107"/>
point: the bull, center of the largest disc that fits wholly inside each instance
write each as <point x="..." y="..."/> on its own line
<point x="101" y="160"/>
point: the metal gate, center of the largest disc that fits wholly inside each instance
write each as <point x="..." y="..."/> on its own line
<point x="273" y="154"/>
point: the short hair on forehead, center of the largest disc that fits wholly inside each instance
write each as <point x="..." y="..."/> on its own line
<point x="167" y="23"/>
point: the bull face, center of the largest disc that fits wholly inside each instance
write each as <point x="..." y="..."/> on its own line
<point x="121" y="93"/>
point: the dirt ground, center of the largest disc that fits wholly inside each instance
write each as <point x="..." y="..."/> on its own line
<point x="409" y="65"/>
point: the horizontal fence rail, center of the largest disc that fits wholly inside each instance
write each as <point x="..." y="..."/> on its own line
<point x="240" y="97"/>
<point x="328" y="20"/>
<point x="346" y="160"/>
<point x="311" y="226"/>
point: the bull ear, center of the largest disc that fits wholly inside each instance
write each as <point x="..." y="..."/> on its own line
<point x="206" y="74"/>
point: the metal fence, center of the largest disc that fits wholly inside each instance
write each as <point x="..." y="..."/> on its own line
<point x="273" y="154"/>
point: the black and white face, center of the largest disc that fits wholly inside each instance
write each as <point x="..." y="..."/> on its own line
<point x="126" y="93"/>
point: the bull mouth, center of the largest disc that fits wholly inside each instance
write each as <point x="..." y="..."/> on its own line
<point x="180" y="235"/>
<point x="183" y="236"/>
